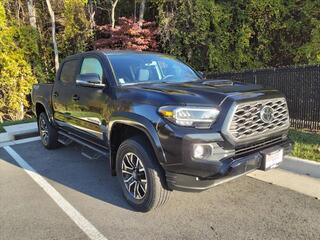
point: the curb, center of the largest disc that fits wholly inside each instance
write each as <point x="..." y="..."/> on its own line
<point x="5" y="137"/>
<point x="19" y="131"/>
<point x="20" y="141"/>
<point x="301" y="166"/>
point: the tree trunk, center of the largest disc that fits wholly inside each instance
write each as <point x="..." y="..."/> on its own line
<point x="141" y="10"/>
<point x="113" y="8"/>
<point x="32" y="13"/>
<point x="91" y="14"/>
<point x="54" y="40"/>
<point x="135" y="11"/>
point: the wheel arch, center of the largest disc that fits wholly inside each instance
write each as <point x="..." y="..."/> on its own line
<point x="129" y="125"/>
<point x="42" y="107"/>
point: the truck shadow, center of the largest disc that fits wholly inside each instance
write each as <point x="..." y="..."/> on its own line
<point x="68" y="167"/>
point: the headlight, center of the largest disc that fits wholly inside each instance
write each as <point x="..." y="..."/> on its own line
<point x="190" y="116"/>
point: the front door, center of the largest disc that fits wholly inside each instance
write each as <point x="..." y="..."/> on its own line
<point x="89" y="103"/>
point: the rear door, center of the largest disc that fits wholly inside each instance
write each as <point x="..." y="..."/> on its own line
<point x="63" y="90"/>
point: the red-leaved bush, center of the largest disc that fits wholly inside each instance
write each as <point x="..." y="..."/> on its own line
<point x="128" y="35"/>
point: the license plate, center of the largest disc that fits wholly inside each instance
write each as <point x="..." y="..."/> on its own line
<point x="272" y="158"/>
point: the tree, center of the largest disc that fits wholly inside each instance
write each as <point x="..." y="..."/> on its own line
<point x="32" y="13"/>
<point x="189" y="29"/>
<point x="92" y="13"/>
<point x="113" y="9"/>
<point x="128" y="35"/>
<point x="76" y="28"/>
<point x="16" y="77"/>
<point x="307" y="32"/>
<point x="53" y="30"/>
<point x="141" y="10"/>
<point x="240" y="34"/>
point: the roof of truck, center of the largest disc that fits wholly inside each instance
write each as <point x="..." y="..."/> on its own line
<point x="110" y="52"/>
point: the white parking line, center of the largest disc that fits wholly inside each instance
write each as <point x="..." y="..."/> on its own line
<point x="73" y="213"/>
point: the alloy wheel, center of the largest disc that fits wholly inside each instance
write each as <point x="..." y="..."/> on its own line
<point x="134" y="175"/>
<point x="43" y="130"/>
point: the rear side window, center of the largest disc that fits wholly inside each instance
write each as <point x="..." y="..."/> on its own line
<point x="91" y="65"/>
<point x="69" y="71"/>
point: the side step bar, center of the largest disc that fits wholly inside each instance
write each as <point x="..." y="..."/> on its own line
<point x="64" y="140"/>
<point x="84" y="143"/>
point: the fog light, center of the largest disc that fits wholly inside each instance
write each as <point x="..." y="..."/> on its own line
<point x="201" y="151"/>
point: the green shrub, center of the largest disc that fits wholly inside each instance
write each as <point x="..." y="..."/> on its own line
<point x="16" y="77"/>
<point x="240" y="34"/>
<point x="76" y="34"/>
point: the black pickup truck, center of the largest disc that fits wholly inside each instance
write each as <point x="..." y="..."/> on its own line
<point x="159" y="124"/>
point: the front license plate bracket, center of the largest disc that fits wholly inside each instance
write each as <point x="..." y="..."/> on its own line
<point x="272" y="157"/>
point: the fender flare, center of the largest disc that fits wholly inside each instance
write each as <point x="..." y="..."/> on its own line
<point x="46" y="107"/>
<point x="142" y="124"/>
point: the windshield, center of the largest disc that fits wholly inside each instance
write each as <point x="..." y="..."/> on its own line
<point x="150" y="68"/>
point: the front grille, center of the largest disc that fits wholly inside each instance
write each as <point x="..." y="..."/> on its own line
<point x="257" y="146"/>
<point x="247" y="123"/>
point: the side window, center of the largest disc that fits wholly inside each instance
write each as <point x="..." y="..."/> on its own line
<point x="69" y="71"/>
<point x="91" y="65"/>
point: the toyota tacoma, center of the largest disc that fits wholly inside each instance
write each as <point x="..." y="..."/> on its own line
<point x="159" y="124"/>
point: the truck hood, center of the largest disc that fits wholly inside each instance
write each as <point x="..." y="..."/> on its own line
<point x="197" y="92"/>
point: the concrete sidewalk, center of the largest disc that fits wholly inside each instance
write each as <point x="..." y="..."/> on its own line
<point x="300" y="183"/>
<point x="19" y="131"/>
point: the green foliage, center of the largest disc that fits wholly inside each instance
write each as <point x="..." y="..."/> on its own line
<point x="16" y="76"/>
<point x="211" y="35"/>
<point x="76" y="34"/>
<point x="45" y="41"/>
<point x="240" y="34"/>
<point x="3" y="20"/>
<point x="27" y="39"/>
<point x="309" y="51"/>
<point x="306" y="145"/>
<point x="186" y="34"/>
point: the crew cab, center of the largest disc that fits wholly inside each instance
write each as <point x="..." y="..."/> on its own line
<point x="159" y="125"/>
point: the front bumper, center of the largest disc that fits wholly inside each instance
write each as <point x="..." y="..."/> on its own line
<point x="230" y="168"/>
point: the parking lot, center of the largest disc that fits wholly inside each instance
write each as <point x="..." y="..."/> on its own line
<point x="245" y="208"/>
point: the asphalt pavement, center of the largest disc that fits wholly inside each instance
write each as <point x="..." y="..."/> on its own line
<point x="244" y="208"/>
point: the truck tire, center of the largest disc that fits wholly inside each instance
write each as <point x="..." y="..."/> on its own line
<point x="141" y="177"/>
<point x="47" y="132"/>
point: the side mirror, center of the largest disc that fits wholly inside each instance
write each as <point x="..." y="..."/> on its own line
<point x="89" y="80"/>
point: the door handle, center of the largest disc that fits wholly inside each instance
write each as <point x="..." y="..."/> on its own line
<point x="75" y="97"/>
<point x="55" y="94"/>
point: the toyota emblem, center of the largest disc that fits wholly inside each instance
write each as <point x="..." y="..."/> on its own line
<point x="266" y="114"/>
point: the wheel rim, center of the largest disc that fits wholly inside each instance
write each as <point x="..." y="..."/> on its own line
<point x="43" y="130"/>
<point x="134" y="175"/>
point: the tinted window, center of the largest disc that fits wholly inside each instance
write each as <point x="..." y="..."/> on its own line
<point x="69" y="71"/>
<point x="142" y="68"/>
<point x="91" y="65"/>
